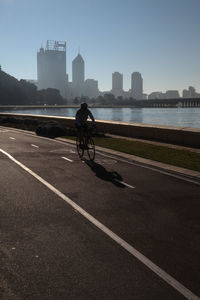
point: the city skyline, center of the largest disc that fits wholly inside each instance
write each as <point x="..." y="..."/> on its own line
<point x="159" y="39"/>
<point x="51" y="73"/>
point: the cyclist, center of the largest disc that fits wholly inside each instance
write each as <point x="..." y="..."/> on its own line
<point x="81" y="121"/>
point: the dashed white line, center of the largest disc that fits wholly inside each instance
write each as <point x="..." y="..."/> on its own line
<point x="150" y="168"/>
<point x="72" y="151"/>
<point x="147" y="262"/>
<point x="124" y="183"/>
<point x="67" y="159"/>
<point x="119" y="159"/>
<point x="12" y="138"/>
<point x="34" y="146"/>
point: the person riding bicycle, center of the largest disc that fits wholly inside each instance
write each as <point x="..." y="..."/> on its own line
<point x="81" y="121"/>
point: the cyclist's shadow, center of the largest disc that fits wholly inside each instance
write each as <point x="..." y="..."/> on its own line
<point x="103" y="174"/>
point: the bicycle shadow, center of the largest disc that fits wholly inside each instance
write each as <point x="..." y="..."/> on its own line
<point x="104" y="174"/>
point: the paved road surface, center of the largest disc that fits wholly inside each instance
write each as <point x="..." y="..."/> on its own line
<point x="146" y="246"/>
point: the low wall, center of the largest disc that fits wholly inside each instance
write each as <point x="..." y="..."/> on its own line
<point x="174" y="135"/>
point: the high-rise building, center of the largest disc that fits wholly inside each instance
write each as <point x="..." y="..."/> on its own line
<point x="136" y="85"/>
<point x="51" y="66"/>
<point x="91" y="88"/>
<point x="117" y="84"/>
<point x="78" y="75"/>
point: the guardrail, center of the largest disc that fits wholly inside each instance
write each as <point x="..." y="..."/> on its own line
<point x="186" y="136"/>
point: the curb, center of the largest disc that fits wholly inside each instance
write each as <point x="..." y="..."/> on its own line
<point x="133" y="158"/>
<point x="145" y="161"/>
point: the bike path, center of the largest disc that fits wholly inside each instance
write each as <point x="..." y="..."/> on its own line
<point x="127" y="211"/>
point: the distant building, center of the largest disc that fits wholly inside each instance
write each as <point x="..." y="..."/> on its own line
<point x="186" y="94"/>
<point x="144" y="96"/>
<point x="156" y="95"/>
<point x="117" y="84"/>
<point x="190" y="93"/>
<point x="172" y="94"/>
<point x="136" y="85"/>
<point x="51" y="67"/>
<point x="78" y="76"/>
<point x="91" y="88"/>
<point x="70" y="90"/>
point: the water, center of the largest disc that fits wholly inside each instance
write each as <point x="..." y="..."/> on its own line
<point x="183" y="117"/>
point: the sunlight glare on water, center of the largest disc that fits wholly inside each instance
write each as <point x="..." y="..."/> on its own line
<point x="183" y="117"/>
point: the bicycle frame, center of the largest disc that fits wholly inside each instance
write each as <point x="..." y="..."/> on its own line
<point x="84" y="142"/>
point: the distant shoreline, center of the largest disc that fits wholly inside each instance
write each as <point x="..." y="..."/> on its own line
<point x="13" y="107"/>
<point x="63" y="106"/>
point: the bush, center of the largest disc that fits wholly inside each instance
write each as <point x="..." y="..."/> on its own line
<point x="31" y="122"/>
<point x="50" y="129"/>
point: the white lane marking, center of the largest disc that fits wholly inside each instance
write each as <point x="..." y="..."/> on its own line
<point x="4" y="130"/>
<point x="150" y="168"/>
<point x="72" y="151"/>
<point x="12" y="138"/>
<point x="147" y="262"/>
<point x="67" y="159"/>
<point x="34" y="146"/>
<point x="124" y="183"/>
<point x="119" y="159"/>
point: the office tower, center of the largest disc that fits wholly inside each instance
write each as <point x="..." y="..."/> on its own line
<point x="117" y="84"/>
<point x="78" y="75"/>
<point x="136" y="85"/>
<point x="51" y="66"/>
<point x="91" y="88"/>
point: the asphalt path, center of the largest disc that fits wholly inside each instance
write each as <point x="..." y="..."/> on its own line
<point x="112" y="229"/>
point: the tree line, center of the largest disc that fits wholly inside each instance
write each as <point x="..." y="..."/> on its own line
<point x="22" y="92"/>
<point x="106" y="99"/>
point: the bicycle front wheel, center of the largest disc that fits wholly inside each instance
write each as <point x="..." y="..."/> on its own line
<point x="91" y="149"/>
<point x="80" y="150"/>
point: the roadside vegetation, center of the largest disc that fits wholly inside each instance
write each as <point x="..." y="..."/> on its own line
<point x="180" y="158"/>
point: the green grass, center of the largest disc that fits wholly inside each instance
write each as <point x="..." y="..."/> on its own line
<point x="180" y="158"/>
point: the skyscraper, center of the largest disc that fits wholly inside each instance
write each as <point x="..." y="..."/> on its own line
<point x="51" y="66"/>
<point x="117" y="84"/>
<point x="136" y="85"/>
<point x="78" y="75"/>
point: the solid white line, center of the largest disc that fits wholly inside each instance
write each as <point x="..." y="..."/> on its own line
<point x="124" y="183"/>
<point x="67" y="159"/>
<point x="34" y="146"/>
<point x="12" y="138"/>
<point x="2" y="130"/>
<point x="161" y="273"/>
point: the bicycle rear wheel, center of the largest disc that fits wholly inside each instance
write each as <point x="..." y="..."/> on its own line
<point x="91" y="149"/>
<point x="79" y="149"/>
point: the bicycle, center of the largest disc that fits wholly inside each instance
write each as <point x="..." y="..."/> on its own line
<point x="85" y="142"/>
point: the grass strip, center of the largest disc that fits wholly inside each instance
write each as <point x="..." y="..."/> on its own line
<point x="176" y="157"/>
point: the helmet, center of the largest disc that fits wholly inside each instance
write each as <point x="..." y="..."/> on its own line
<point x="84" y="105"/>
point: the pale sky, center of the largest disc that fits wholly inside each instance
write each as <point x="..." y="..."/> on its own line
<point x="158" y="38"/>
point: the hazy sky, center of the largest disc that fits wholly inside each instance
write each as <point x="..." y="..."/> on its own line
<point x="158" y="38"/>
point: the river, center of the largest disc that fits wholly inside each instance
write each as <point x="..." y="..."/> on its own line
<point x="183" y="117"/>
